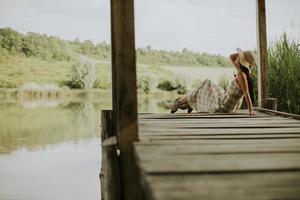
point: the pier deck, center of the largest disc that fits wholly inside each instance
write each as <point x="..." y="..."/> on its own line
<point x="219" y="156"/>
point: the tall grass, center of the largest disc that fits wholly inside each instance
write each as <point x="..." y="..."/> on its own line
<point x="284" y="74"/>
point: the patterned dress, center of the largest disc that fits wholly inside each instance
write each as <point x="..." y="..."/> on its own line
<point x="209" y="97"/>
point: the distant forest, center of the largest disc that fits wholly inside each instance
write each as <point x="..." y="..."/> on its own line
<point x="51" y="48"/>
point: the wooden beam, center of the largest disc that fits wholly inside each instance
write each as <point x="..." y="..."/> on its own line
<point x="110" y="170"/>
<point x="262" y="53"/>
<point x="110" y="173"/>
<point x="278" y="113"/>
<point x="124" y="92"/>
<point x="107" y="124"/>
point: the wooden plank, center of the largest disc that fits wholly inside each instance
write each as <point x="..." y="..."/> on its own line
<point x="216" y="131"/>
<point x="261" y="141"/>
<point x="197" y="120"/>
<point x="207" y="126"/>
<point x="236" y="186"/>
<point x="218" y="137"/>
<point x="196" y="115"/>
<point x="110" y="141"/>
<point x="188" y="149"/>
<point x="124" y="92"/>
<point x="213" y="122"/>
<point x="242" y="114"/>
<point x="262" y="53"/>
<point x="218" y="163"/>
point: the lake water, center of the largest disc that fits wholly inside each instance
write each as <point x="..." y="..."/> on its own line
<point x="50" y="148"/>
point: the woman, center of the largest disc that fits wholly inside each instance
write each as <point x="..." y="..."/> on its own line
<point x="209" y="97"/>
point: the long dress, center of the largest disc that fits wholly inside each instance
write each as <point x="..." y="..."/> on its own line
<point x="209" y="97"/>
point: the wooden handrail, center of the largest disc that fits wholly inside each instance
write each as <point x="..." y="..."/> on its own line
<point x="278" y="113"/>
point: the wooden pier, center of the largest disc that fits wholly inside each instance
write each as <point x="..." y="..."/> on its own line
<point x="218" y="156"/>
<point x="194" y="156"/>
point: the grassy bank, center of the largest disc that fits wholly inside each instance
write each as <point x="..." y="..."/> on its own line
<point x="42" y="59"/>
<point x="15" y="70"/>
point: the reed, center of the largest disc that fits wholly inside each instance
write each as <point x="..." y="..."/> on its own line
<point x="284" y="73"/>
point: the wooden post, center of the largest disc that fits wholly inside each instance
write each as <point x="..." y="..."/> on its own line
<point x="110" y="178"/>
<point x="106" y="124"/>
<point x="272" y="104"/>
<point x="124" y="92"/>
<point x="262" y="53"/>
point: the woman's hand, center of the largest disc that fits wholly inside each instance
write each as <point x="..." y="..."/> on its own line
<point x="252" y="113"/>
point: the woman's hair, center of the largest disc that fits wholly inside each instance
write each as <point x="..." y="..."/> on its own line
<point x="249" y="80"/>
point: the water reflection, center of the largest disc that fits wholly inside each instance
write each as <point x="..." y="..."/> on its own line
<point x="35" y="123"/>
<point x="32" y="128"/>
<point x="50" y="147"/>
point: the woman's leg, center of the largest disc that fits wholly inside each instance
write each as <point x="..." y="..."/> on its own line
<point x="181" y="103"/>
<point x="187" y="107"/>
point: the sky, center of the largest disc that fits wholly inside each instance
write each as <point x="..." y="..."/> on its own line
<point x="212" y="26"/>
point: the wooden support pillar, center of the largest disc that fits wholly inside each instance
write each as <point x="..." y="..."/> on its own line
<point x="262" y="53"/>
<point x="125" y="93"/>
<point x="272" y="104"/>
<point x="111" y="187"/>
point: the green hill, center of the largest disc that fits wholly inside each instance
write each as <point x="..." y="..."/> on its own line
<point x="34" y="57"/>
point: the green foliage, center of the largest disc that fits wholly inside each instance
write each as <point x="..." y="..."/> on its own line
<point x="255" y="88"/>
<point x="223" y="82"/>
<point x="174" y="82"/>
<point x="33" y="44"/>
<point x="40" y="58"/>
<point x="52" y="48"/>
<point x="103" y="74"/>
<point x="146" y="81"/>
<point x="284" y="74"/>
<point x="83" y="74"/>
<point x="10" y="40"/>
<point x="184" y="58"/>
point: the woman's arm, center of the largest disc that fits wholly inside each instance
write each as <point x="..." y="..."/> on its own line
<point x="244" y="86"/>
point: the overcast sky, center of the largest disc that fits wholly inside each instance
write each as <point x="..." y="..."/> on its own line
<point x="211" y="26"/>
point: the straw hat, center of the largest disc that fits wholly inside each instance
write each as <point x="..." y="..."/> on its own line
<point x="246" y="58"/>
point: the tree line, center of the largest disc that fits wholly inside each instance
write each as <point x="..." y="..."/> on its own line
<point x="51" y="48"/>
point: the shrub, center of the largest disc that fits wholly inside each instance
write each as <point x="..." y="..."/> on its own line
<point x="173" y="82"/>
<point x="146" y="81"/>
<point x="83" y="74"/>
